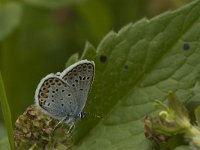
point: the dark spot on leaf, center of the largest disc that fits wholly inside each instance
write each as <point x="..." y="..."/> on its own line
<point x="73" y="85"/>
<point x="52" y="100"/>
<point x="48" y="104"/>
<point x="57" y="90"/>
<point x="103" y="58"/>
<point x="81" y="89"/>
<point x="76" y="80"/>
<point x="62" y="104"/>
<point x="69" y="94"/>
<point x="88" y="77"/>
<point x="63" y="90"/>
<point x="186" y="46"/>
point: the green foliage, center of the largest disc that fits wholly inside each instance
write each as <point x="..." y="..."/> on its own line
<point x="6" y="114"/>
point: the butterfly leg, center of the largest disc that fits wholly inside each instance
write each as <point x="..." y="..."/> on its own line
<point x="57" y="125"/>
<point x="71" y="127"/>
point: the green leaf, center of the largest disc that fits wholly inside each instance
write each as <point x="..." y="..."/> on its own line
<point x="6" y="113"/>
<point x="135" y="66"/>
<point x="10" y="16"/>
<point x="72" y="60"/>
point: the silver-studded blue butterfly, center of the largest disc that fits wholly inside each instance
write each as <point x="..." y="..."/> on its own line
<point x="64" y="95"/>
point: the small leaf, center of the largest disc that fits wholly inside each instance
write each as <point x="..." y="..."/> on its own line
<point x="6" y="113"/>
<point x="10" y="15"/>
<point x="72" y="59"/>
<point x="175" y="104"/>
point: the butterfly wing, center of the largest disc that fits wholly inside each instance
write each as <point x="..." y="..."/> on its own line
<point x="79" y="76"/>
<point x="55" y="97"/>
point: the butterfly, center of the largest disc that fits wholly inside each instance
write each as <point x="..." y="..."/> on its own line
<point x="64" y="95"/>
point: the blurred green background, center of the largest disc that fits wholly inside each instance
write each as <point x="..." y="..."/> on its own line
<point x="38" y="36"/>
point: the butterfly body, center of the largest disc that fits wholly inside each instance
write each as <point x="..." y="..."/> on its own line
<point x="64" y="95"/>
